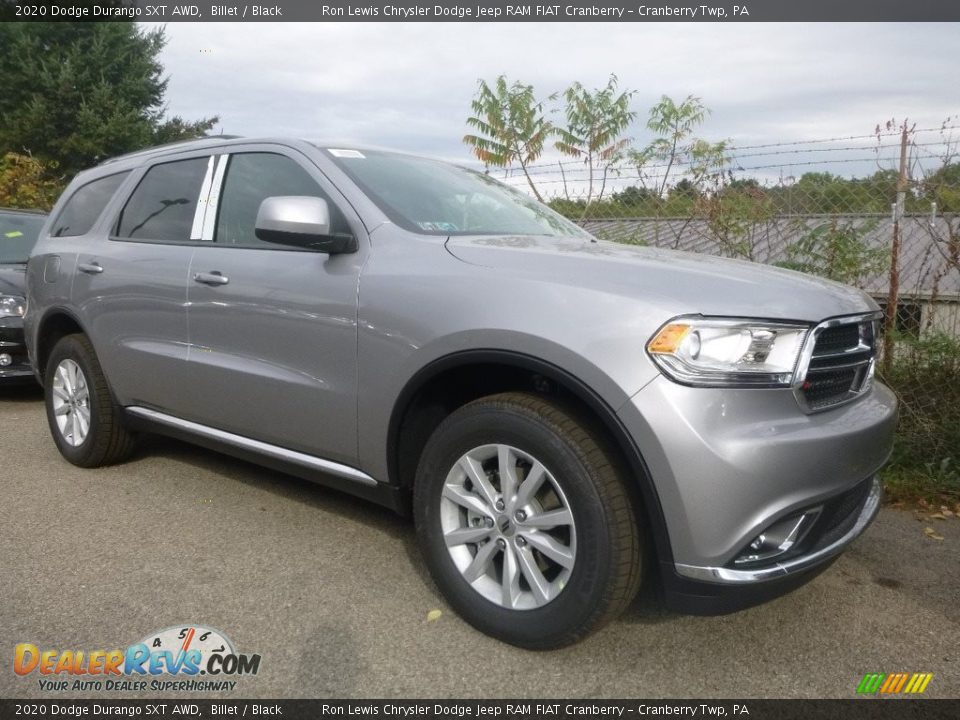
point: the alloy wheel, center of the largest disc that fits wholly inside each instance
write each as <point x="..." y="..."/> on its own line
<point x="71" y="402"/>
<point x="508" y="527"/>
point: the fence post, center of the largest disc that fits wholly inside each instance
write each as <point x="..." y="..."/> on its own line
<point x="893" y="296"/>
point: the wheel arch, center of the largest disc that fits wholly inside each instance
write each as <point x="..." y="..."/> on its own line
<point x="423" y="403"/>
<point x="57" y="322"/>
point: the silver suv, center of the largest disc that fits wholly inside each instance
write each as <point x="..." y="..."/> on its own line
<point x="563" y="417"/>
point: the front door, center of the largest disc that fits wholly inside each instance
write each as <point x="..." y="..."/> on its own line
<point x="273" y="329"/>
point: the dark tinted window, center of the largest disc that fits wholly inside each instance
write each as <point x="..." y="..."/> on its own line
<point x="163" y="205"/>
<point x="18" y="234"/>
<point x="253" y="177"/>
<point x="85" y="205"/>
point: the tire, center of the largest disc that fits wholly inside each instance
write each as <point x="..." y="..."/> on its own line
<point x="77" y="397"/>
<point x="589" y="566"/>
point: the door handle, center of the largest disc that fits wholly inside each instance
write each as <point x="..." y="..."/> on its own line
<point x="211" y="278"/>
<point x="93" y="268"/>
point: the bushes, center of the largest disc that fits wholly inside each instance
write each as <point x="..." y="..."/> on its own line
<point x="925" y="374"/>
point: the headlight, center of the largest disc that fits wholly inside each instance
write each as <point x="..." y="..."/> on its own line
<point x="728" y="352"/>
<point x="12" y="306"/>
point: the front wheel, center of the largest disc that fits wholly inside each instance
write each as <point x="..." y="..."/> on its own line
<point x="525" y="523"/>
<point x="85" y="422"/>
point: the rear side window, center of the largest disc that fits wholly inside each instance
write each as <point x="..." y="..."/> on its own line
<point x="163" y="205"/>
<point x="85" y="205"/>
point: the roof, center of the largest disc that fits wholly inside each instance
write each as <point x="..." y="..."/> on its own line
<point x="924" y="270"/>
<point x="178" y="145"/>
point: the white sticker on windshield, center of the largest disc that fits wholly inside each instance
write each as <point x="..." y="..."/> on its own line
<point x="346" y="153"/>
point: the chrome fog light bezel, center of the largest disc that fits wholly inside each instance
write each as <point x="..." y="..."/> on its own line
<point x="778" y="538"/>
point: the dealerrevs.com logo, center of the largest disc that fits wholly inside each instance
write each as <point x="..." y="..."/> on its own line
<point x="179" y="658"/>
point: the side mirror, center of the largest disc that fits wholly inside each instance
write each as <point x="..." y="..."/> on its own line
<point x="301" y="221"/>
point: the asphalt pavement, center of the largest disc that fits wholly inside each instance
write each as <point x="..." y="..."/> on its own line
<point x="333" y="595"/>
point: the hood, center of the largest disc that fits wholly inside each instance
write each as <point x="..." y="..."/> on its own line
<point x="680" y="282"/>
<point x="13" y="279"/>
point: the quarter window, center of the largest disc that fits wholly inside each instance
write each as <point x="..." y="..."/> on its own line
<point x="85" y="205"/>
<point x="253" y="177"/>
<point x="163" y="205"/>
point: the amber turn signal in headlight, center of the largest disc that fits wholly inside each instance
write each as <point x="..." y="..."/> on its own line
<point x="728" y="352"/>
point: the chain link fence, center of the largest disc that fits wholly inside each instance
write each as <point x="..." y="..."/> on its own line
<point x="895" y="234"/>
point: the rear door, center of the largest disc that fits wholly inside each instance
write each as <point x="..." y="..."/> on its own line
<point x="131" y="289"/>
<point x="273" y="329"/>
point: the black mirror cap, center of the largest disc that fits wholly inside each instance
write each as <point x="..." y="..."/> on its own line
<point x="333" y="244"/>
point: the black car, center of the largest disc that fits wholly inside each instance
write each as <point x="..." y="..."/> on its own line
<point x="19" y="230"/>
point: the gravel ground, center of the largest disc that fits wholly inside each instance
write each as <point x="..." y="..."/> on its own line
<point x="333" y="595"/>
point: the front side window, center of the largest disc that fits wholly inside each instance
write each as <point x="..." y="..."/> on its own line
<point x="253" y="177"/>
<point x="162" y="207"/>
<point x="435" y="198"/>
<point x="85" y="205"/>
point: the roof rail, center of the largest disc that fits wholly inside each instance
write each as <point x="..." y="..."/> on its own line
<point x="166" y="146"/>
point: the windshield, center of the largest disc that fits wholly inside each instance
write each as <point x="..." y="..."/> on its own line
<point x="434" y="198"/>
<point x="18" y="234"/>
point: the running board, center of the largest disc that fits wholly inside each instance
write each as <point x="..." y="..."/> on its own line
<point x="255" y="447"/>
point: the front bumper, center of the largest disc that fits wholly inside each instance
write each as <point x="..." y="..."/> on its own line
<point x="829" y="545"/>
<point x="728" y="464"/>
<point x="12" y="345"/>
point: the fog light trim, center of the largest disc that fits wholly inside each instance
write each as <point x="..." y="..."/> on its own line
<point x="779" y="538"/>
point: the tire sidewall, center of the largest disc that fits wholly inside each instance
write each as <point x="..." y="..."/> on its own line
<point x="70" y="348"/>
<point x="472" y="427"/>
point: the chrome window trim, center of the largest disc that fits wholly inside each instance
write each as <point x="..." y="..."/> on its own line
<point x="200" y="210"/>
<point x="213" y="199"/>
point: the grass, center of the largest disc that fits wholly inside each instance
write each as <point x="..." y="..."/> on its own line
<point x="933" y="483"/>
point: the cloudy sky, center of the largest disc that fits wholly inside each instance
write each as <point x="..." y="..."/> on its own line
<point x="409" y="85"/>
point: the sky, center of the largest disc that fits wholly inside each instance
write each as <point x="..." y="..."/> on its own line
<point x="409" y="85"/>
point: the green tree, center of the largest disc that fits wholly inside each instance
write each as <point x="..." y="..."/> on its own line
<point x="942" y="187"/>
<point x="674" y="143"/>
<point x="823" y="193"/>
<point x="511" y="124"/>
<point x="27" y="183"/>
<point x="77" y="93"/>
<point x="595" y="123"/>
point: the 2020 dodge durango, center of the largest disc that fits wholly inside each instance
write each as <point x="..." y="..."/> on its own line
<point x="565" y="418"/>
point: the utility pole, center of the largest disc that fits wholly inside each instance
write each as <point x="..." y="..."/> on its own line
<point x="893" y="296"/>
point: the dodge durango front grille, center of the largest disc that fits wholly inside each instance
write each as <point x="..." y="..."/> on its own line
<point x="838" y="362"/>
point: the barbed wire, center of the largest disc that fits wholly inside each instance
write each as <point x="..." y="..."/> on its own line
<point x="572" y="170"/>
<point x="789" y="144"/>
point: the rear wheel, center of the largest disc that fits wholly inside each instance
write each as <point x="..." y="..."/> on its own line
<point x="86" y="424"/>
<point x="525" y="523"/>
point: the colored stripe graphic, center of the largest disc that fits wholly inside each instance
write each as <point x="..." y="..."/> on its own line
<point x="918" y="683"/>
<point x="871" y="683"/>
<point x="894" y="683"/>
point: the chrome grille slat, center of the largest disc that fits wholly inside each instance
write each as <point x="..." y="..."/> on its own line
<point x="842" y="353"/>
<point x="837" y="362"/>
<point x="840" y="366"/>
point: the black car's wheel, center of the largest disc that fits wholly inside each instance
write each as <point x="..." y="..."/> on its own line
<point x="525" y="523"/>
<point x="85" y="422"/>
